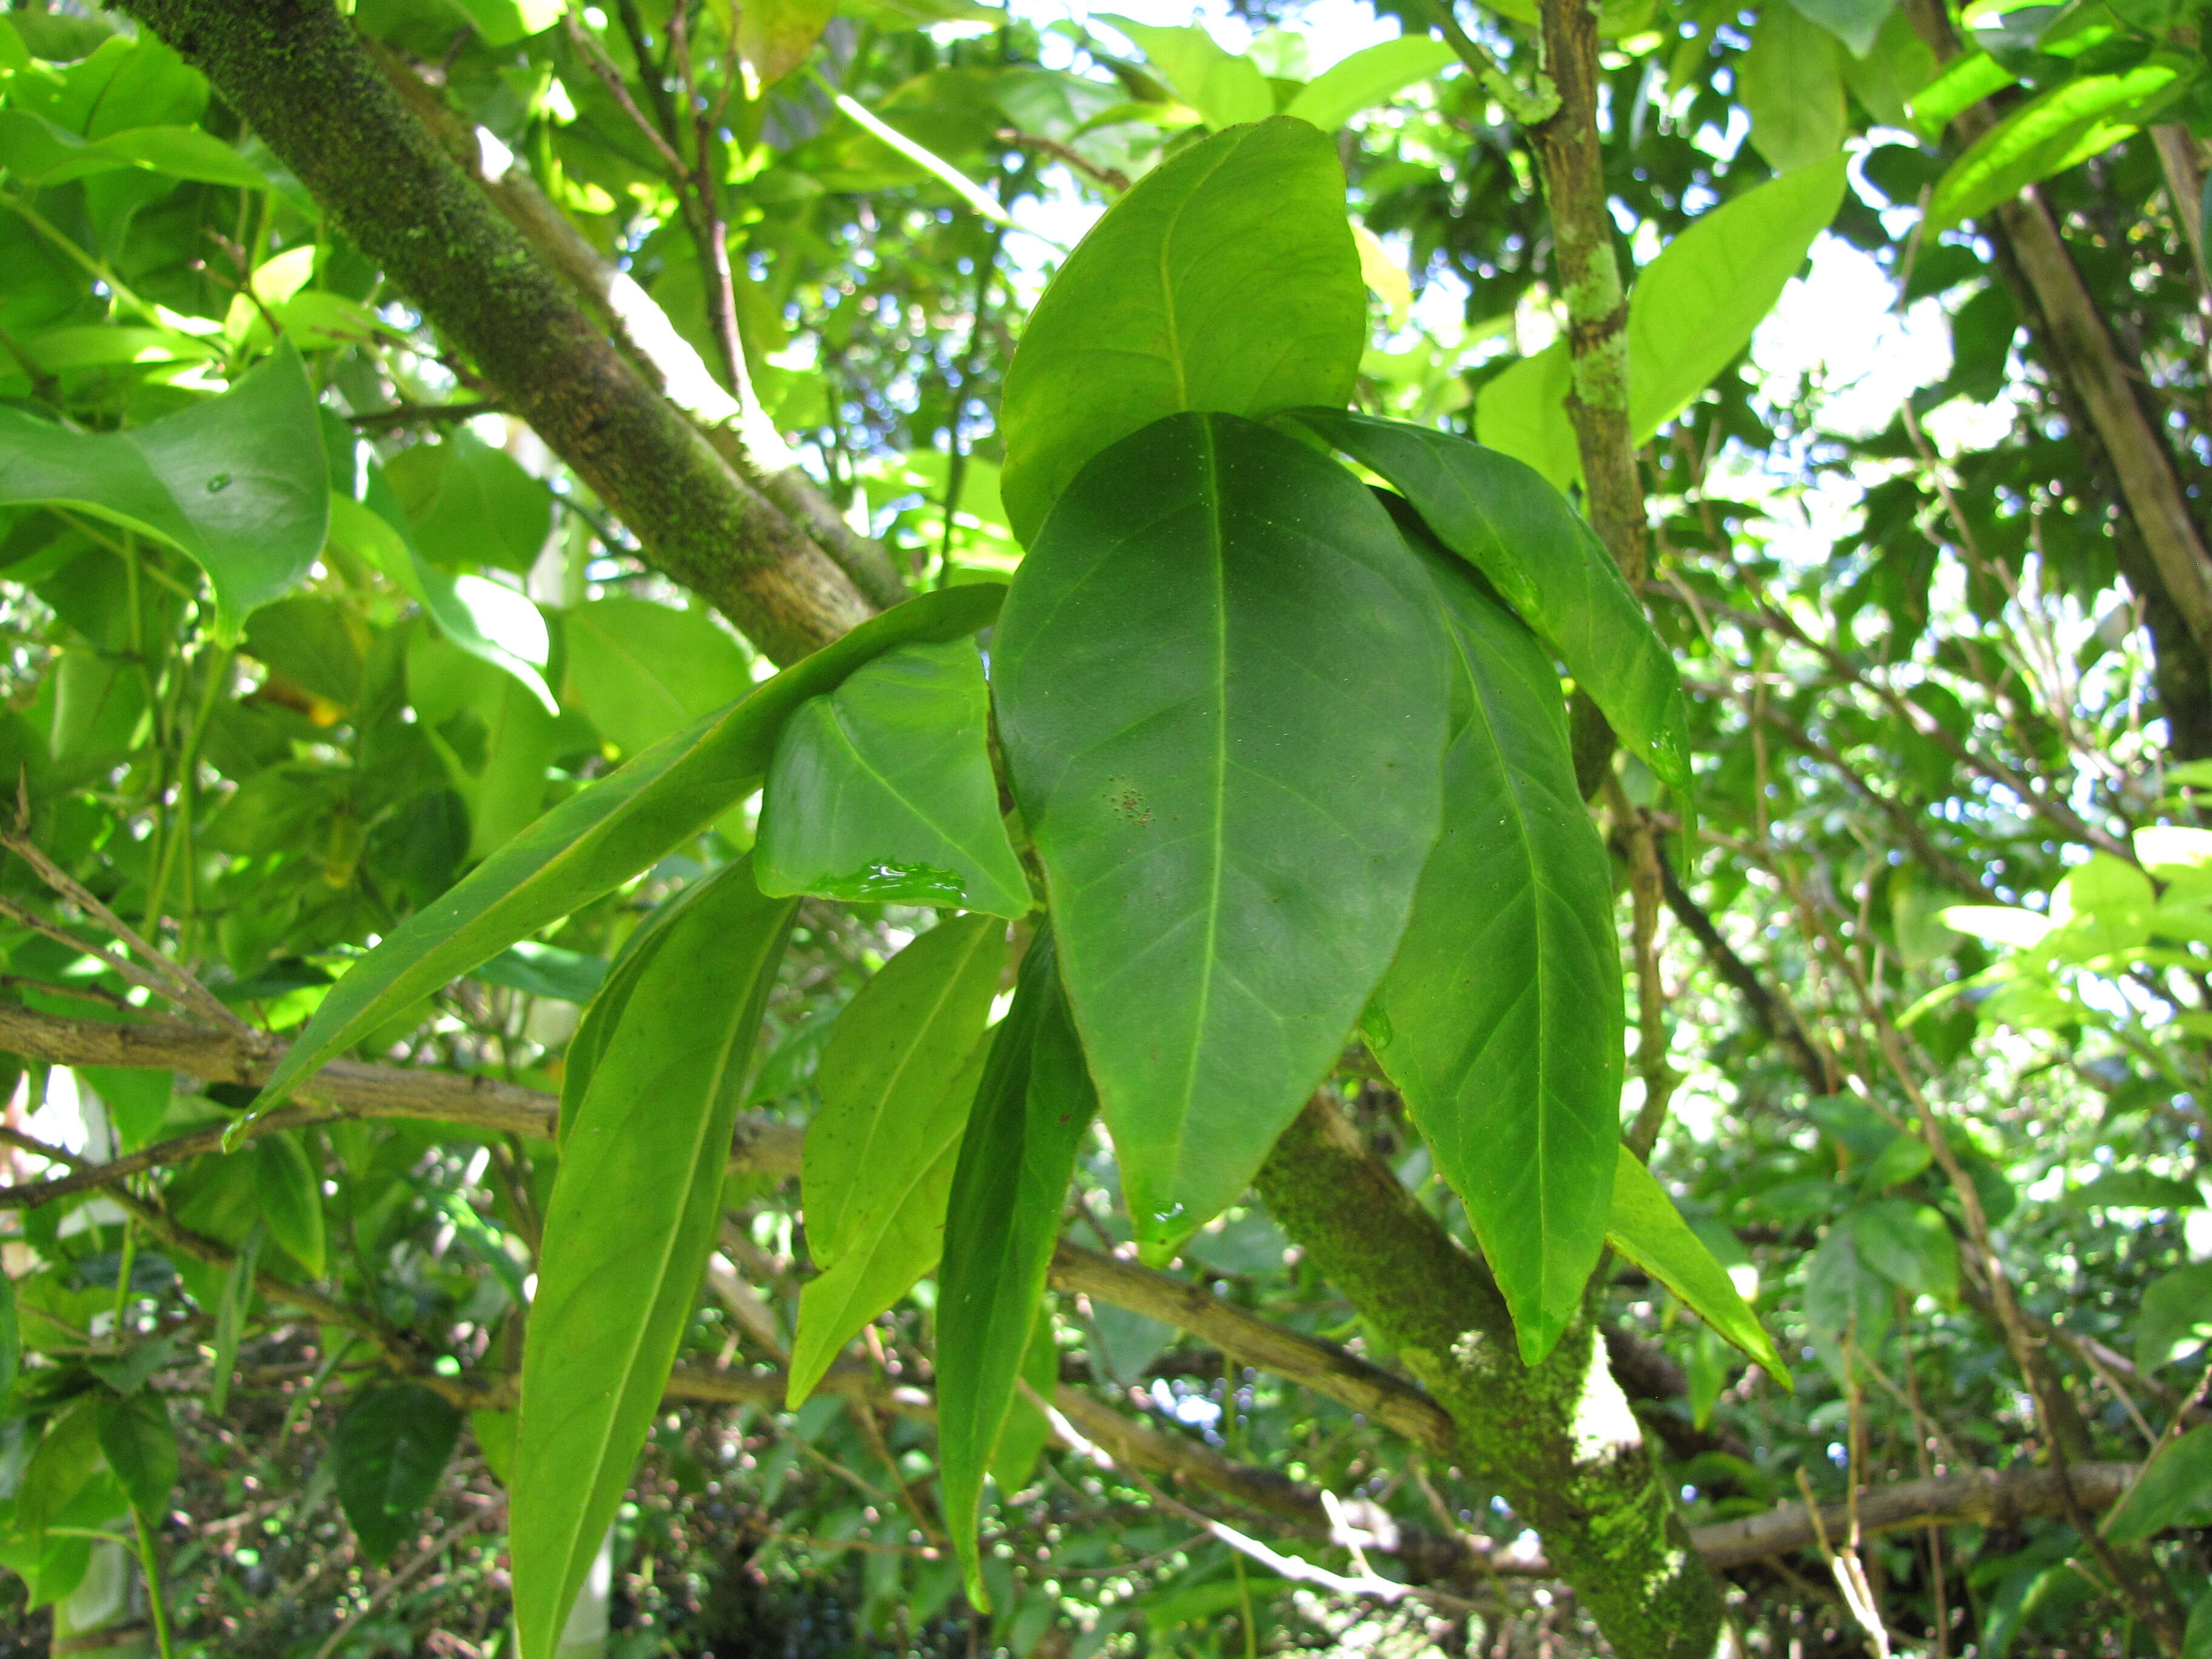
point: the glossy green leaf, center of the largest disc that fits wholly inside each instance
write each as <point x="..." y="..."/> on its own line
<point x="1503" y="1003"/>
<point x="602" y="836"/>
<point x="1027" y="1430"/>
<point x="40" y="154"/>
<point x="1646" y="1227"/>
<point x="1001" y="1220"/>
<point x="642" y="671"/>
<point x="628" y="1228"/>
<point x="1223" y="694"/>
<point x="471" y="504"/>
<point x="882" y="790"/>
<point x="1522" y="534"/>
<point x="900" y="1241"/>
<point x="2175" y="1490"/>
<point x="1522" y="412"/>
<point x="1856" y="23"/>
<point x="1966" y="81"/>
<point x="291" y="1198"/>
<point x="140" y="1445"/>
<point x="388" y="1453"/>
<point x="238" y="482"/>
<point x="1375" y="74"/>
<point x="1228" y="90"/>
<point x="1791" y="85"/>
<point x="1225" y="280"/>
<point x="2051" y="133"/>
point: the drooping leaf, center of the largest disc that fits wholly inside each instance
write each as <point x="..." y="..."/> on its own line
<point x="2057" y="129"/>
<point x="2175" y="1490"/>
<point x="642" y="671"/>
<point x="237" y="482"/>
<point x="1228" y="90"/>
<point x="291" y="1198"/>
<point x="1646" y="1227"/>
<point x="1223" y="696"/>
<point x="1226" y="280"/>
<point x="628" y="1228"/>
<point x="882" y="790"/>
<point x="388" y="1453"/>
<point x="1522" y="534"/>
<point x="1373" y="75"/>
<point x="1791" y="85"/>
<point x="1008" y="1189"/>
<point x="40" y="154"/>
<point x="1503" y="1003"/>
<point x="1026" y="1430"/>
<point x="602" y="836"/>
<point x="140" y="1445"/>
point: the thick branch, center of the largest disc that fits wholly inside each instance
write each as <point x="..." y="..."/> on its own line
<point x="297" y="73"/>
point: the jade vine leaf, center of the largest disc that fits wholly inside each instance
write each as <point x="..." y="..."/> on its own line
<point x="1503" y="1006"/>
<point x="601" y="836"/>
<point x="1033" y="1104"/>
<point x="1223" y="694"/>
<point x="1507" y="522"/>
<point x="628" y="1228"/>
<point x="1226" y="280"/>
<point x="882" y="792"/>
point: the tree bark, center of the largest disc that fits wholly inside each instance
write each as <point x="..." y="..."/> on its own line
<point x="297" y="73"/>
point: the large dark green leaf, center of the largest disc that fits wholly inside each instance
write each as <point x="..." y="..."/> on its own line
<point x="1644" y="1226"/>
<point x="1001" y="1223"/>
<point x="628" y="1231"/>
<point x="290" y="1194"/>
<point x="1502" y="1007"/>
<point x="882" y="790"/>
<point x="1509" y="524"/>
<point x="238" y="483"/>
<point x="1224" y="697"/>
<point x="140" y="1445"/>
<point x="1226" y="280"/>
<point x="897" y="1076"/>
<point x="389" y="1448"/>
<point x="599" y="837"/>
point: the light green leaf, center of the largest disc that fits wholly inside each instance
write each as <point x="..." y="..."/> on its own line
<point x="1223" y="696"/>
<point x="40" y="155"/>
<point x="11" y="1337"/>
<point x="291" y="1199"/>
<point x="1503" y="1003"/>
<point x="2134" y="1189"/>
<point x="503" y="22"/>
<point x="1966" y="81"/>
<point x="66" y="1457"/>
<point x="2051" y="133"/>
<point x="2175" y="1490"/>
<point x="471" y="504"/>
<point x="602" y="836"/>
<point x="387" y="1454"/>
<point x="1791" y="85"/>
<point x="1228" y="90"/>
<point x="1373" y="75"/>
<point x="1226" y="280"/>
<point x="1026" y="1430"/>
<point x="882" y="790"/>
<point x="237" y="482"/>
<point x="642" y="671"/>
<point x="1031" y="1108"/>
<point x="628" y="1228"/>
<point x="140" y="1445"/>
<point x="774" y="37"/>
<point x="1523" y="413"/>
<point x="1646" y="1227"/>
<point x="1856" y="23"/>
<point x="2176" y="1316"/>
<point x="1696" y="307"/>
<point x="1549" y="566"/>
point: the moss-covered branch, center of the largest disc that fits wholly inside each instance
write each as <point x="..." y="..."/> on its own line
<point x="297" y="73"/>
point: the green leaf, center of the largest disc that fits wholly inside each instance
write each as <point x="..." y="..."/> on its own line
<point x="291" y="1198"/>
<point x="1966" y="81"/>
<point x="1522" y="534"/>
<point x="503" y="22"/>
<point x="1695" y="307"/>
<point x="1001" y="1220"/>
<point x="2175" y="1317"/>
<point x="471" y="504"/>
<point x="774" y="37"/>
<point x="1856" y="23"/>
<point x="1523" y="413"/>
<point x="66" y="1457"/>
<point x="1373" y="75"/>
<point x="11" y="1337"/>
<point x="2134" y="1189"/>
<point x="237" y="482"/>
<point x="1223" y="696"/>
<point x="40" y="154"/>
<point x="1226" y="280"/>
<point x="388" y="1453"/>
<point x="1791" y="85"/>
<point x="2051" y="133"/>
<point x="642" y="671"/>
<point x="1911" y="1245"/>
<point x="897" y="1076"/>
<point x="882" y="790"/>
<point x="627" y="1230"/>
<point x="1503" y="1003"/>
<point x="231" y="1308"/>
<point x="545" y="970"/>
<point x="1646" y="1227"/>
<point x="140" y="1445"/>
<point x="601" y="836"/>
<point x="2175" y="1490"/>
<point x="1026" y="1430"/>
<point x="1228" y="90"/>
